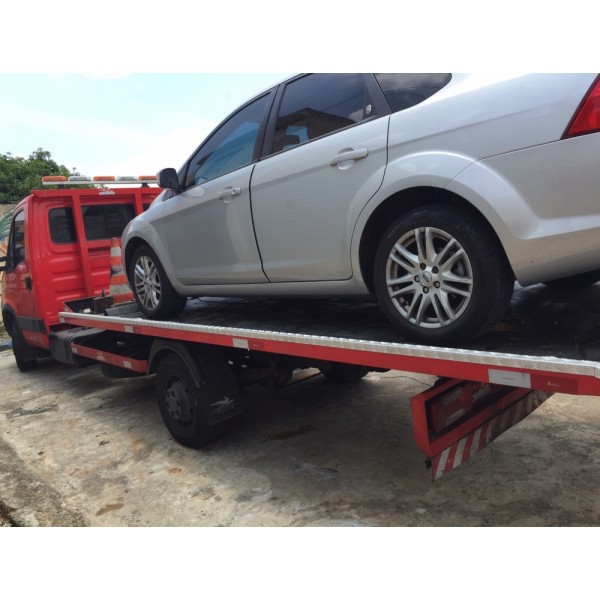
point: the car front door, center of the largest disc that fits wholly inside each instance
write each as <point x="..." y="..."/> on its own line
<point x="327" y="159"/>
<point x="208" y="226"/>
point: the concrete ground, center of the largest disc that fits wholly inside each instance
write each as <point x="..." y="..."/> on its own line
<point x="77" y="448"/>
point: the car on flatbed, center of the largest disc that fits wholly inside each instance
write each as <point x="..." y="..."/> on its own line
<point x="431" y="192"/>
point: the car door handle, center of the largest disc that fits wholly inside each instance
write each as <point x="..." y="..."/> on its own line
<point x="230" y="191"/>
<point x="348" y="155"/>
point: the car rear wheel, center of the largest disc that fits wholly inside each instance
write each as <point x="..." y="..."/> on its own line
<point x="152" y="289"/>
<point x="440" y="276"/>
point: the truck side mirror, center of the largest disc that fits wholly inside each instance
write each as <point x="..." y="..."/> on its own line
<point x="168" y="180"/>
<point x="2" y="266"/>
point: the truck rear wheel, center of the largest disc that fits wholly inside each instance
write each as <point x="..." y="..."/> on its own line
<point x="181" y="404"/>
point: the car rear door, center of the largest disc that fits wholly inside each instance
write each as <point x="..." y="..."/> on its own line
<point x="326" y="157"/>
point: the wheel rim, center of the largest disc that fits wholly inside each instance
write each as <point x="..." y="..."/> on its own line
<point x="429" y="277"/>
<point x="146" y="281"/>
<point x="179" y="402"/>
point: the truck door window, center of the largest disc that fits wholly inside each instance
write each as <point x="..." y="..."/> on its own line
<point x="16" y="250"/>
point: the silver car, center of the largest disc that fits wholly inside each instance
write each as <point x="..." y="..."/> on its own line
<point x="430" y="192"/>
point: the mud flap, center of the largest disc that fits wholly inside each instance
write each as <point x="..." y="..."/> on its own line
<point x="455" y="420"/>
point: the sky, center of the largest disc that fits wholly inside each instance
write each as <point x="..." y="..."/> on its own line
<point x="127" y="124"/>
<point x="130" y="91"/>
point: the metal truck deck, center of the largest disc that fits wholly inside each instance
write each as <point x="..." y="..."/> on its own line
<point x="548" y="340"/>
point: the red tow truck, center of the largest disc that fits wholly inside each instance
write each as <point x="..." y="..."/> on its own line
<point x="56" y="302"/>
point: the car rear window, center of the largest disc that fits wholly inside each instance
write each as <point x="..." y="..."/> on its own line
<point x="403" y="90"/>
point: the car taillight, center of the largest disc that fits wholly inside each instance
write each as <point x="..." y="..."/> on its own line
<point x="587" y="117"/>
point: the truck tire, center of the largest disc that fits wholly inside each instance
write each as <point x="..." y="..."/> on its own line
<point x="181" y="404"/>
<point x="151" y="287"/>
<point x="440" y="275"/>
<point x="20" y="348"/>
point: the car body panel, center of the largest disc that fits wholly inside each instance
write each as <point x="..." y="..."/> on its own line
<point x="210" y="238"/>
<point x="305" y="208"/>
<point x="528" y="198"/>
<point x="494" y="141"/>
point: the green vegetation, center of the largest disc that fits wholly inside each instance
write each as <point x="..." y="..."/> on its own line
<point x="5" y="225"/>
<point x="18" y="176"/>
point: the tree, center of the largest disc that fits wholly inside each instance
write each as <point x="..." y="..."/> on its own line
<point x="18" y="176"/>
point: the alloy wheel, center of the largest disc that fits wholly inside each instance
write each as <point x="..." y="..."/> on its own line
<point x="429" y="277"/>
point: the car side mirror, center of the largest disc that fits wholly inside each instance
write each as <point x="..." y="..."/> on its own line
<point x="168" y="179"/>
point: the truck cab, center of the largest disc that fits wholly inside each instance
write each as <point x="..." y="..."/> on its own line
<point x="59" y="251"/>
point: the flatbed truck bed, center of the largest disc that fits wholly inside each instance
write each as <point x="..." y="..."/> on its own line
<point x="546" y="343"/>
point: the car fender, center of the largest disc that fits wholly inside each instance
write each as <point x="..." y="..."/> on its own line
<point x="147" y="227"/>
<point x="423" y="169"/>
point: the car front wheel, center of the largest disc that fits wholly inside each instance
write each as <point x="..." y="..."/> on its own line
<point x="153" y="291"/>
<point x="440" y="276"/>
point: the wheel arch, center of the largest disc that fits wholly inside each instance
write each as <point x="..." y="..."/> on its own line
<point x="132" y="245"/>
<point x="8" y="318"/>
<point x="400" y="203"/>
<point x="162" y="348"/>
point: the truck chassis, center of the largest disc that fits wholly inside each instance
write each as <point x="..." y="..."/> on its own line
<point x="204" y="358"/>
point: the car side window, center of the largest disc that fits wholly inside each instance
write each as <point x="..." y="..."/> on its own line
<point x="403" y="90"/>
<point x="230" y="147"/>
<point x="319" y="104"/>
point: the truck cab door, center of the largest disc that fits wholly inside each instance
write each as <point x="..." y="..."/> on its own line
<point x="18" y="284"/>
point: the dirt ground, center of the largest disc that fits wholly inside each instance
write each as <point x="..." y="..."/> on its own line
<point x="77" y="448"/>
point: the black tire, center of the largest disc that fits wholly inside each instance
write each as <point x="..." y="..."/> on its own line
<point x="151" y="287"/>
<point x="344" y="373"/>
<point x="20" y="348"/>
<point x="575" y="282"/>
<point x="449" y="291"/>
<point x="181" y="404"/>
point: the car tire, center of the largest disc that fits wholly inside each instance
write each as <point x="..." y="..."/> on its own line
<point x="151" y="287"/>
<point x="575" y="282"/>
<point x="440" y="276"/>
